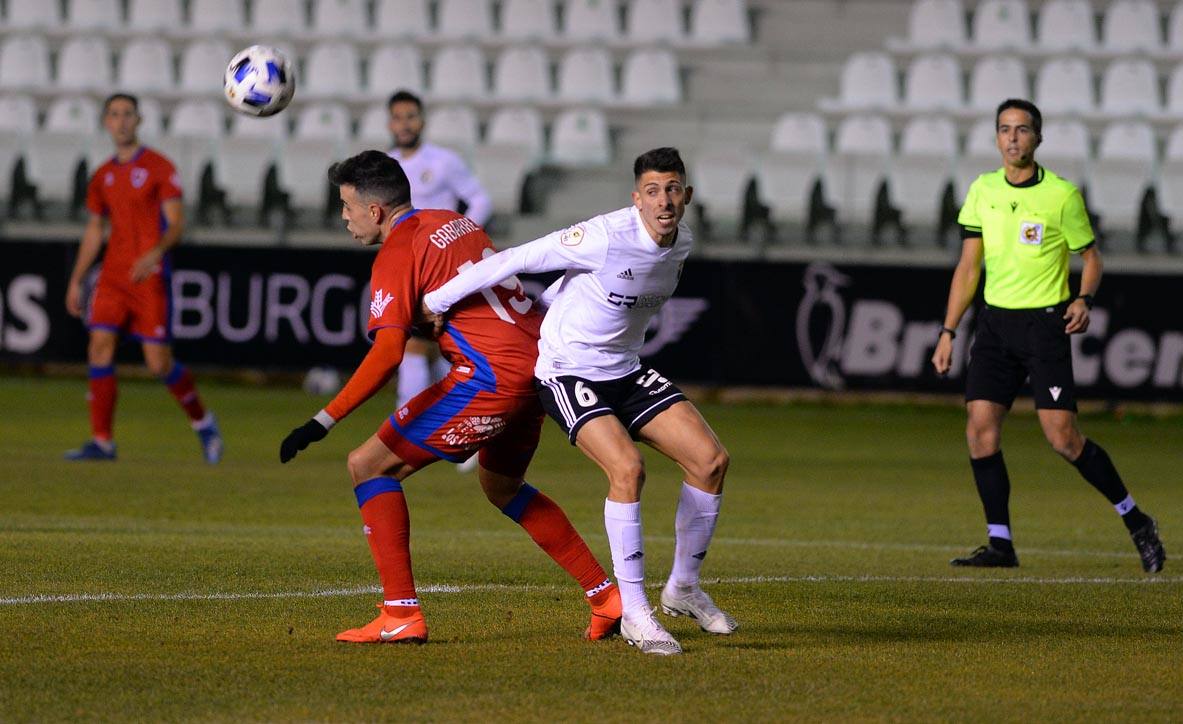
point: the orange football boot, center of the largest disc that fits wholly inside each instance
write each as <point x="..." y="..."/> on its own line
<point x="605" y="617"/>
<point x="388" y="629"/>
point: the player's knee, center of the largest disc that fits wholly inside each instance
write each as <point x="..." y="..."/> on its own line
<point x="360" y="469"/>
<point x="100" y="352"/>
<point x="1067" y="442"/>
<point x="982" y="439"/>
<point x="628" y="477"/>
<point x="159" y="367"/>
<point x="712" y="468"/>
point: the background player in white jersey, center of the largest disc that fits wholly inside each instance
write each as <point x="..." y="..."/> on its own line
<point x="439" y="180"/>
<point x="621" y="267"/>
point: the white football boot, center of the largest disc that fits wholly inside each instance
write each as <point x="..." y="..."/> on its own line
<point x="692" y="601"/>
<point x="649" y="636"/>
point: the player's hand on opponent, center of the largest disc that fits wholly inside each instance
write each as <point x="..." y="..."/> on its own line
<point x="300" y="438"/>
<point x="146" y="265"/>
<point x="74" y="299"/>
<point x="1077" y="316"/>
<point x="435" y="320"/>
<point x="942" y="358"/>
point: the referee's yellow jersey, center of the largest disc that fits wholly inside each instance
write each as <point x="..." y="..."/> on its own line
<point x="1027" y="232"/>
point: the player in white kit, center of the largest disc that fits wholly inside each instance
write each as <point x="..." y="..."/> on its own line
<point x="621" y="267"/>
<point x="439" y="180"/>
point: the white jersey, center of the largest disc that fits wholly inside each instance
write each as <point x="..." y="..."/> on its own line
<point x="617" y="279"/>
<point x="440" y="179"/>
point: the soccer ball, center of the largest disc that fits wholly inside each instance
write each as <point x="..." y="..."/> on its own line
<point x="259" y="81"/>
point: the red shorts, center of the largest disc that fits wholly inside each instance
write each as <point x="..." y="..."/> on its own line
<point x="141" y="310"/>
<point x="458" y="416"/>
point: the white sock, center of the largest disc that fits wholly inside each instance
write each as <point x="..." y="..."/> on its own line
<point x="1125" y="506"/>
<point x="997" y="530"/>
<point x="440" y="368"/>
<point x="695" y="526"/>
<point x="414" y="375"/>
<point x="622" y="521"/>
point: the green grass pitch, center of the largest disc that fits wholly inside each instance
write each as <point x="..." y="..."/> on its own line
<point x="158" y="588"/>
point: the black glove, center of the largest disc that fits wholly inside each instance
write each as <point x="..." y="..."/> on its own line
<point x="300" y="438"/>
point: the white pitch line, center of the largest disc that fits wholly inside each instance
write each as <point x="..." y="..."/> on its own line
<point x="470" y="588"/>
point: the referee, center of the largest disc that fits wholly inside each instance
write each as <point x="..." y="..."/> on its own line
<point x="1021" y="221"/>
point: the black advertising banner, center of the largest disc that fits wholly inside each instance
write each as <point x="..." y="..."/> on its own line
<point x="819" y="324"/>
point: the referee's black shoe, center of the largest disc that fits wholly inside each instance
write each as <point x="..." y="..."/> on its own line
<point x="988" y="556"/>
<point x="1149" y="546"/>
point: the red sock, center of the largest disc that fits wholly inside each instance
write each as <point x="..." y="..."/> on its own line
<point x="180" y="383"/>
<point x="548" y="525"/>
<point x="101" y="400"/>
<point x="388" y="531"/>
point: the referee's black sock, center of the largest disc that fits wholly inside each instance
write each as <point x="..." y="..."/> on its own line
<point x="994" y="490"/>
<point x="1096" y="467"/>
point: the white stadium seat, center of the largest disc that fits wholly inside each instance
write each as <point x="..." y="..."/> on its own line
<point x="323" y="121"/>
<point x="787" y="174"/>
<point x="513" y="147"/>
<point x="858" y="166"/>
<point x="338" y="18"/>
<point x="654" y="21"/>
<point x="933" y="82"/>
<point x="195" y="128"/>
<point x="1131" y="26"/>
<point x="1170" y="178"/>
<point x="282" y="18"/>
<point x="373" y="129"/>
<point x="922" y="169"/>
<point x="332" y="70"/>
<point x="1175" y="29"/>
<point x="458" y="74"/>
<point x="197" y="119"/>
<point x="1065" y="85"/>
<point x="1121" y="173"/>
<point x="455" y="127"/>
<point x="868" y="81"/>
<point x="589" y="20"/>
<point x="402" y="18"/>
<point x="84" y="63"/>
<point x="980" y="156"/>
<point x="319" y="140"/>
<point x="203" y="63"/>
<point x="528" y="19"/>
<point x="585" y="76"/>
<point x="1065" y="150"/>
<point x="18" y="121"/>
<point x="935" y="24"/>
<point x="1002" y="25"/>
<point x="521" y="74"/>
<point x="146" y="65"/>
<point x="580" y="137"/>
<point x="994" y="79"/>
<point x="650" y="77"/>
<point x="216" y="17"/>
<point x="715" y="22"/>
<point x="1174" y="102"/>
<point x="84" y="15"/>
<point x="1067" y="25"/>
<point x="721" y="177"/>
<point x="1129" y="87"/>
<point x="518" y="127"/>
<point x="54" y="154"/>
<point x="464" y="19"/>
<point x="242" y="159"/>
<point x="151" y="118"/>
<point x="24" y="62"/>
<point x="32" y="15"/>
<point x="395" y="66"/>
<point x="154" y="15"/>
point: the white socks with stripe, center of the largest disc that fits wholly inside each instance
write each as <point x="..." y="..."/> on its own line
<point x="695" y="525"/>
<point x="622" y="521"/>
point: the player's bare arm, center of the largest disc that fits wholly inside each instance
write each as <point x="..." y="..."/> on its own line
<point x="88" y="251"/>
<point x="1077" y="313"/>
<point x="149" y="263"/>
<point x="961" y="294"/>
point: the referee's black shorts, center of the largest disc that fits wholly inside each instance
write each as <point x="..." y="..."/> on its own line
<point x="634" y="399"/>
<point x="1014" y="345"/>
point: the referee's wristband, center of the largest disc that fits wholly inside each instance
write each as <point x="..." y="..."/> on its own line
<point x="951" y="332"/>
<point x="1088" y="300"/>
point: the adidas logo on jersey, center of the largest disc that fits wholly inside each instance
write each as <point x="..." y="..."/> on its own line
<point x="626" y="274"/>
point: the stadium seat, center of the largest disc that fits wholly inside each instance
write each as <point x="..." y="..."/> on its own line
<point x="1065" y="85"/>
<point x="857" y="167"/>
<point x="24" y="63"/>
<point x="590" y="20"/>
<point x="197" y="119"/>
<point x="1174" y="101"/>
<point x="1131" y="26"/>
<point x="1129" y="87"/>
<point x="18" y="121"/>
<point x="243" y="158"/>
<point x="1067" y="25"/>
<point x="995" y="78"/>
<point x="1065" y="150"/>
<point x="32" y="15"/>
<point x="93" y="15"/>
<point x="194" y="129"/>
<point x="654" y="21"/>
<point x="513" y="147"/>
<point x="373" y="128"/>
<point x="1121" y="173"/>
<point x="332" y="70"/>
<point x="980" y="156"/>
<point x="1175" y="30"/>
<point x="933" y="82"/>
<point x="650" y="77"/>
<point x="455" y="127"/>
<point x="585" y="76"/>
<point x="339" y="19"/>
<point x="54" y="154"/>
<point x="278" y="18"/>
<point x="154" y="15"/>
<point x="203" y="63"/>
<point x="402" y="18"/>
<point x="716" y="22"/>
<point x="395" y="66"/>
<point x="519" y="127"/>
<point x="1002" y="25"/>
<point x="319" y="141"/>
<point x="464" y="19"/>
<point x="721" y="176"/>
<point x="1170" y="178"/>
<point x="580" y="137"/>
<point x="868" y="81"/>
<point x="786" y="176"/>
<point x="146" y="65"/>
<point x="528" y="19"/>
<point x="922" y="169"/>
<point x="458" y="74"/>
<point x="84" y="63"/>
<point x="216" y="17"/>
<point x="935" y="24"/>
<point x="521" y="74"/>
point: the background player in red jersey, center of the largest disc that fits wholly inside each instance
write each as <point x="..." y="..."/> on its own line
<point x="138" y="195"/>
<point x="487" y="401"/>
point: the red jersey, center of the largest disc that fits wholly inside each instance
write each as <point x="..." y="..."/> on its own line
<point x="497" y="329"/>
<point x="130" y="195"/>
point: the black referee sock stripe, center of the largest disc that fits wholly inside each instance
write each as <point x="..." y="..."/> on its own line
<point x="993" y="487"/>
<point x="1096" y="467"/>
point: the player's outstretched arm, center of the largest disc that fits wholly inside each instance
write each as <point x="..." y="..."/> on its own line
<point x="88" y="251"/>
<point x="961" y="295"/>
<point x="372" y="375"/>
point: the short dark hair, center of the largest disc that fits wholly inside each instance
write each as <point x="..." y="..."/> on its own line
<point x="665" y="160"/>
<point x="404" y="96"/>
<point x="135" y="102"/>
<point x="375" y="175"/>
<point x="1022" y="105"/>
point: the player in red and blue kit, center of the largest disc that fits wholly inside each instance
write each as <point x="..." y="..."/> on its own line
<point x="486" y="405"/>
<point x="138" y="195"/>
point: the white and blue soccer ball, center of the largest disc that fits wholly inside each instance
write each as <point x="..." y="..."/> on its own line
<point x="259" y="81"/>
